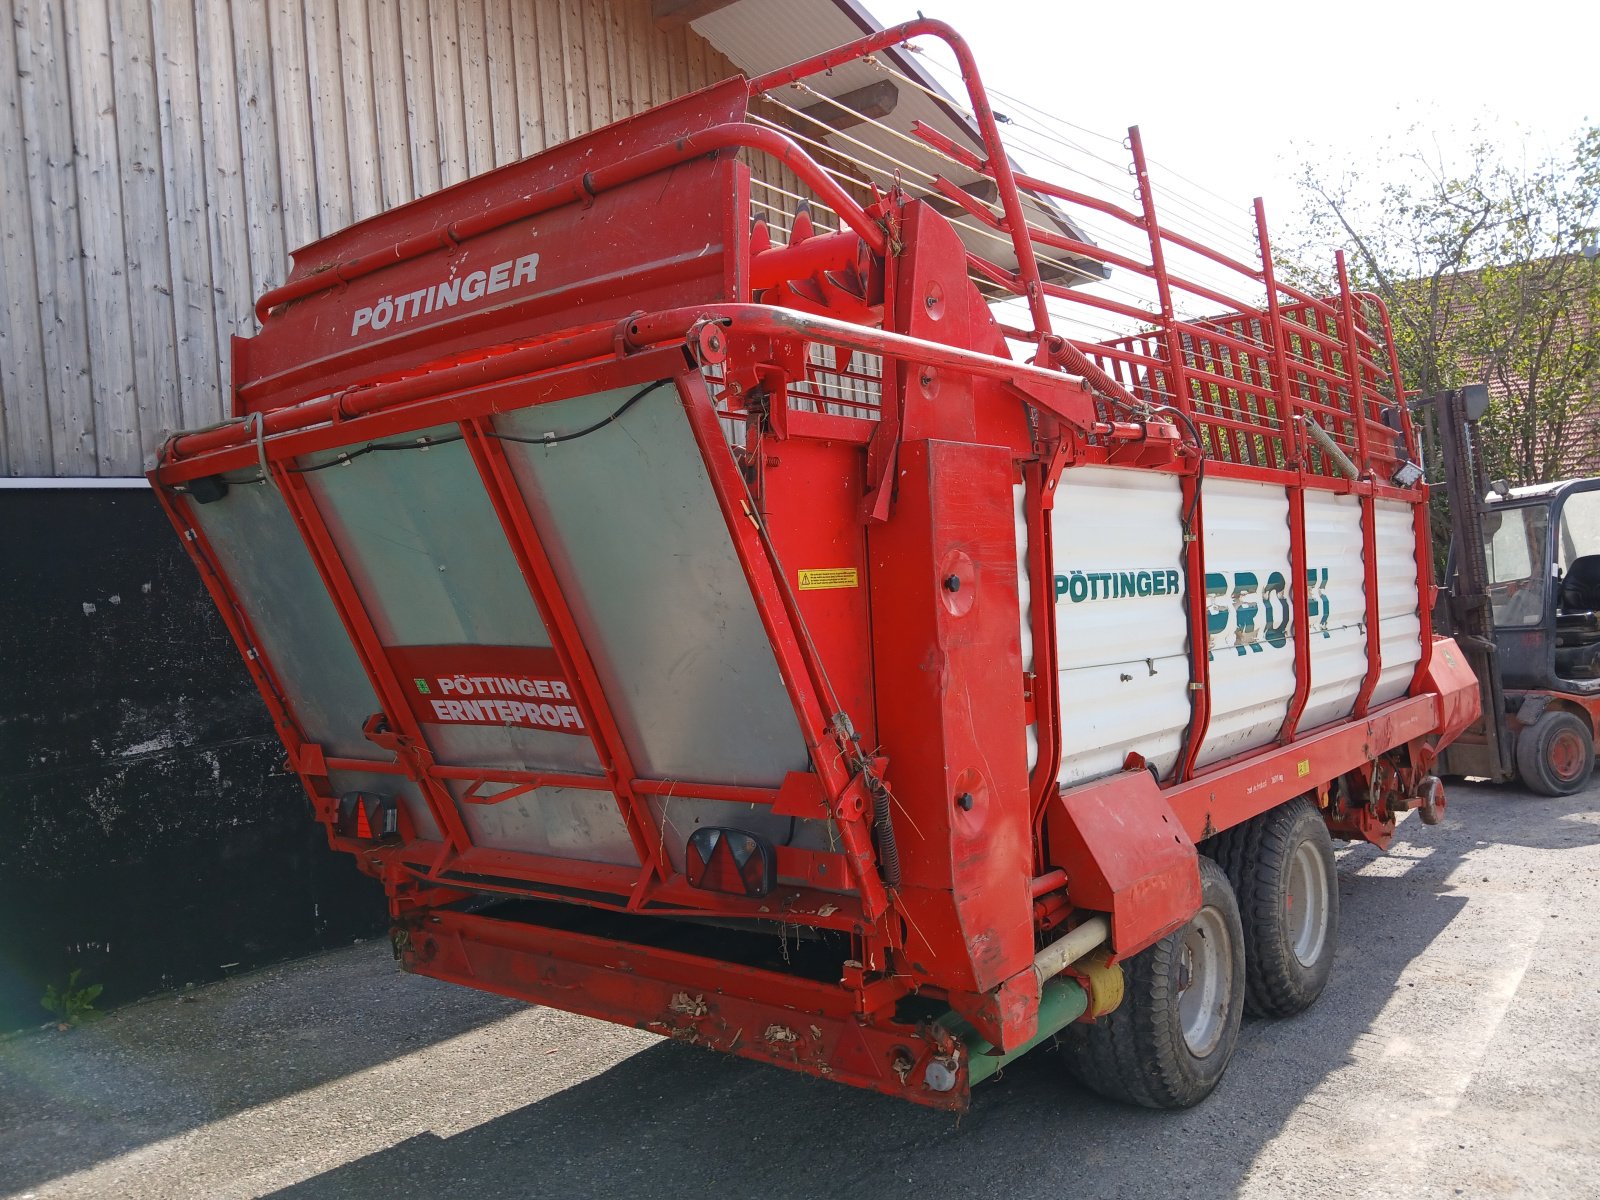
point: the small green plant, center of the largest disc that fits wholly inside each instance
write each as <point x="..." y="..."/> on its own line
<point x="72" y="1005"/>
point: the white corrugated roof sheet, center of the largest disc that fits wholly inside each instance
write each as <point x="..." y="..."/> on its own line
<point x="762" y="35"/>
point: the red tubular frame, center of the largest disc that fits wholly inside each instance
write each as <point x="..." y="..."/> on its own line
<point x="637" y="333"/>
<point x="1298" y="556"/>
<point x="1177" y="374"/>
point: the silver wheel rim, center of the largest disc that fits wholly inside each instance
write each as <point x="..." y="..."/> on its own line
<point x="1205" y="981"/>
<point x="1306" y="904"/>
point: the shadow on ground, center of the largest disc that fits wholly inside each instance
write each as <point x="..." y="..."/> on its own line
<point x="171" y="1064"/>
<point x="674" y="1121"/>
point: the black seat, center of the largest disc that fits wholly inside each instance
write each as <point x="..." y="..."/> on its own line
<point x="1577" y="624"/>
<point x="1580" y="588"/>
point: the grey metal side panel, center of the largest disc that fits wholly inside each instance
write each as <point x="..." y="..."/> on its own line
<point x="631" y="522"/>
<point x="422" y="543"/>
<point x="260" y="552"/>
<point x="428" y="556"/>
<point x="560" y="822"/>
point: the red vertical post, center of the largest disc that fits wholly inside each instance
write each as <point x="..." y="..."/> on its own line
<point x="1199" y="630"/>
<point x="369" y="648"/>
<point x="489" y="456"/>
<point x="1424" y="552"/>
<point x="1194" y="547"/>
<point x="1298" y="554"/>
<point x="1279" y="355"/>
<point x="1420" y="515"/>
<point x="1369" y="504"/>
<point x="780" y="619"/>
<point x="1369" y="572"/>
<point x="1352" y="365"/>
<point x="1038" y="505"/>
<point x="946" y="658"/>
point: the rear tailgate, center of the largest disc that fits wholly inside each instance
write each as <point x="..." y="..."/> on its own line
<point x="537" y="629"/>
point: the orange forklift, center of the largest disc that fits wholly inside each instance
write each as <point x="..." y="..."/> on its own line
<point x="1522" y="598"/>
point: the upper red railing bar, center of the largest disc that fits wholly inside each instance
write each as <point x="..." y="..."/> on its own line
<point x="1032" y="183"/>
<point x="1138" y="358"/>
<point x="1216" y="256"/>
<point x="1089" y="300"/>
<point x="1205" y="334"/>
<point x="1408" y="432"/>
<point x="1306" y="300"/>
<point x="592" y="342"/>
<point x="1208" y="293"/>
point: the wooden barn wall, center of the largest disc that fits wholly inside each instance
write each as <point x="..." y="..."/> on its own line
<point x="160" y="158"/>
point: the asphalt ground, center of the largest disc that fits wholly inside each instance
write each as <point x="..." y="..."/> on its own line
<point x="1456" y="1052"/>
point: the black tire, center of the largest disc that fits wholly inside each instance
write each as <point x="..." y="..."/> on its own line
<point x="1555" y="755"/>
<point x="1139" y="1053"/>
<point x="1287" y="963"/>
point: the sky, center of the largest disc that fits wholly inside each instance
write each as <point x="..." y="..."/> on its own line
<point x="1235" y="96"/>
<point x="1232" y="102"/>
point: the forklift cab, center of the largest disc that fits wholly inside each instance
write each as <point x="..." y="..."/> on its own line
<point x="1541" y="550"/>
<point x="1522" y="598"/>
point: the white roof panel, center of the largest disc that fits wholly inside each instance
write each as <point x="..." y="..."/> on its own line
<point x="762" y="35"/>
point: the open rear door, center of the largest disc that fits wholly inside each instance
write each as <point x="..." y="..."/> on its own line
<point x="546" y="627"/>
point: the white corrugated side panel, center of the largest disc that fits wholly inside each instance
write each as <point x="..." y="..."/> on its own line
<point x="1019" y="500"/>
<point x="1252" y="675"/>
<point x="1337" y="604"/>
<point x="1123" y="659"/>
<point x="1399" y="626"/>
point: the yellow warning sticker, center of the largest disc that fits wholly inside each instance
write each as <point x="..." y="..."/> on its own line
<point x="1305" y="767"/>
<point x="819" y="578"/>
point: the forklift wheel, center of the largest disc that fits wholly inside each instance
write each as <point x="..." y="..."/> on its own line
<point x="1555" y="754"/>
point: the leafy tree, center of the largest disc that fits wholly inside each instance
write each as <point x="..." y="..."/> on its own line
<point x="1481" y="259"/>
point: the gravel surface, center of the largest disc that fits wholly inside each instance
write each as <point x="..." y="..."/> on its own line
<point x="1455" y="1053"/>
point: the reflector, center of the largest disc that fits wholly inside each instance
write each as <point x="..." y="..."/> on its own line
<point x="729" y="860"/>
<point x="367" y="816"/>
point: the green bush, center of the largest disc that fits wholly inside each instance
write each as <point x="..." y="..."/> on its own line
<point x="72" y="1005"/>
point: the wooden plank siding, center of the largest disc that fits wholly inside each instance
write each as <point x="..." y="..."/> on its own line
<point x="160" y="158"/>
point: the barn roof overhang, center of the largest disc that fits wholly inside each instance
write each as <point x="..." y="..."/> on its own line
<point x="758" y="36"/>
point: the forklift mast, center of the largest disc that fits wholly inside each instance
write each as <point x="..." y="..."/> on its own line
<point x="1465" y="610"/>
